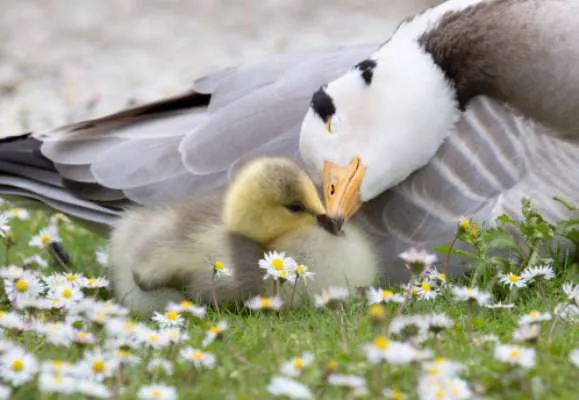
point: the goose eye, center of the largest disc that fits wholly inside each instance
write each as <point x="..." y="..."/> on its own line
<point x="296" y="207"/>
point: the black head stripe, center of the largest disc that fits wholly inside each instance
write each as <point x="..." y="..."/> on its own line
<point x="323" y="105"/>
<point x="366" y="68"/>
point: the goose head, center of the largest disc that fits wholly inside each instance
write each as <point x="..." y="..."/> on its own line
<point x="271" y="197"/>
<point x="385" y="118"/>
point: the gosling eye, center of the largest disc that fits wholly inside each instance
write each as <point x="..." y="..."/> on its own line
<point x="296" y="207"/>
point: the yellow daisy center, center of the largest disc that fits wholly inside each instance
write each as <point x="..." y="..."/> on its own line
<point x="277" y="264"/>
<point x="442" y="277"/>
<point x="425" y="286"/>
<point x="396" y="394"/>
<point x="128" y="326"/>
<point x="17" y="365"/>
<point x="91" y="281"/>
<point x="186" y="304"/>
<point x="381" y="342"/>
<point x="172" y="315"/>
<point x="283" y="274"/>
<point x="66" y="293"/>
<point x="156" y="393"/>
<point x="45" y="239"/>
<point x="513" y="278"/>
<point x="57" y="378"/>
<point x="219" y="266"/>
<point x="21" y="285"/>
<point x="298" y="363"/>
<point x="197" y="356"/>
<point x="153" y="338"/>
<point x="332" y="366"/>
<point x="123" y="353"/>
<point x="300" y="269"/>
<point x="265" y="302"/>
<point x="82" y="335"/>
<point x="534" y="314"/>
<point x="386" y="294"/>
<point x="440" y="394"/>
<point x="376" y="311"/>
<point x="215" y="330"/>
<point x="98" y="366"/>
<point x="464" y="224"/>
<point x="71" y="277"/>
<point x="57" y="365"/>
<point x="515" y="353"/>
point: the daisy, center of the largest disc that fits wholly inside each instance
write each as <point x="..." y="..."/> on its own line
<point x="409" y="326"/>
<point x="187" y="306"/>
<point x="12" y="320"/>
<point x="571" y="291"/>
<point x="443" y="388"/>
<point x="566" y="311"/>
<point x="157" y="392"/>
<point x="331" y="296"/>
<point x="125" y="357"/>
<point x="436" y="277"/>
<point x="220" y="270"/>
<point x="215" y="332"/>
<point x="436" y="323"/>
<point x="56" y="383"/>
<point x="574" y="357"/>
<point x="25" y="287"/>
<point x="83" y="337"/>
<point x="284" y="386"/>
<point x="482" y="339"/>
<point x="393" y="394"/>
<point x="264" y="303"/>
<point x="160" y="364"/>
<point x="377" y="296"/>
<point x="97" y="364"/>
<point x="45" y="237"/>
<point x="170" y="319"/>
<point x="417" y="260"/>
<point x="303" y="272"/>
<point x="66" y="294"/>
<point x="18" y="367"/>
<point x="426" y="292"/>
<point x="18" y="213"/>
<point x="499" y="305"/>
<point x="5" y="392"/>
<point x="151" y="338"/>
<point x="57" y="367"/>
<point x="4" y="227"/>
<point x="35" y="260"/>
<point x="442" y="367"/>
<point x="11" y="272"/>
<point x="57" y="333"/>
<point x="395" y="353"/>
<point x="93" y="283"/>
<point x="377" y="313"/>
<point x="466" y="225"/>
<point x="121" y="328"/>
<point x="59" y="218"/>
<point x="534" y="316"/>
<point x="515" y="355"/>
<point x="527" y="333"/>
<point x="471" y="294"/>
<point x="92" y="388"/>
<point x="349" y="381"/>
<point x="102" y="257"/>
<point x="530" y="273"/>
<point x="277" y="265"/>
<point x="513" y="280"/>
<point x="295" y="366"/>
<point x="198" y="357"/>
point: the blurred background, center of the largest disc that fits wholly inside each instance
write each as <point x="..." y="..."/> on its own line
<point x="63" y="61"/>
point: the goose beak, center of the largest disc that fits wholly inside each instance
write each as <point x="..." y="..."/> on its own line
<point x="341" y="187"/>
<point x="331" y="225"/>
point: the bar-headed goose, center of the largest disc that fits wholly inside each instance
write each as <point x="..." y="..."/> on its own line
<point x="429" y="116"/>
<point x="167" y="252"/>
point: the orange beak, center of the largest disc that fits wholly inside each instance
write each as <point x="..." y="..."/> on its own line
<point x="341" y="186"/>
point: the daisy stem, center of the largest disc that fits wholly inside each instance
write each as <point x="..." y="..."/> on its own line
<point x="407" y="297"/>
<point x="447" y="258"/>
<point x="214" y="297"/>
<point x="344" y="340"/>
<point x="291" y="302"/>
<point x="552" y="330"/>
<point x="274" y="287"/>
<point x="471" y="313"/>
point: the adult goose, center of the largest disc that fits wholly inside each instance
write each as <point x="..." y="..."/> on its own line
<point x="469" y="106"/>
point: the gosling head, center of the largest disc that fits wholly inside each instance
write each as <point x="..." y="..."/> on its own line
<point x="271" y="197"/>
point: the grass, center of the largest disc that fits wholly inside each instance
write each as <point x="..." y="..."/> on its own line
<point x="256" y="344"/>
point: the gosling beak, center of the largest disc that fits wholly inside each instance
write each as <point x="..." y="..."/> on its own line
<point x="332" y="225"/>
<point x="341" y="186"/>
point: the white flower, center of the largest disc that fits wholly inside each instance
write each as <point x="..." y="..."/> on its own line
<point x="27" y="286"/>
<point x="409" y="326"/>
<point x="331" y="296"/>
<point x="5" y="392"/>
<point x="59" y="218"/>
<point x="303" y="272"/>
<point x="264" y="303"/>
<point x="4" y="227"/>
<point x="574" y="357"/>
<point x="57" y="279"/>
<point x="214" y="332"/>
<point x="57" y="333"/>
<point x="377" y="296"/>
<point x="36" y="259"/>
<point x="18" y="367"/>
<point x="466" y="294"/>
<point x="442" y="367"/>
<point x="197" y="357"/>
<point x="18" y="213"/>
<point x="157" y="364"/>
<point x="97" y="364"/>
<point x="93" y="283"/>
<point x="566" y="311"/>
<point x="66" y="294"/>
<point x="349" y="381"/>
<point x="571" y="291"/>
<point x="151" y="338"/>
<point x="479" y="340"/>
<point x="102" y="257"/>
<point x="417" y="260"/>
<point x="443" y="388"/>
<point x="93" y="389"/>
<point x="45" y="237"/>
<point x="530" y="273"/>
<point x="220" y="270"/>
<point x="426" y="292"/>
<point x="393" y="394"/>
<point x="295" y="366"/>
<point x="499" y="305"/>
<point x="515" y="355"/>
<point x="170" y="319"/>
<point x="527" y="333"/>
<point x="395" y="353"/>
<point x="187" y="306"/>
<point x="174" y="335"/>
<point x="82" y="337"/>
<point x="11" y="272"/>
<point x="284" y="386"/>
<point x="157" y="392"/>
<point x="277" y="265"/>
<point x="56" y="383"/>
<point x="513" y="280"/>
<point x="534" y="316"/>
<point x="437" y="322"/>
<point x="58" y="367"/>
<point x="12" y="320"/>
